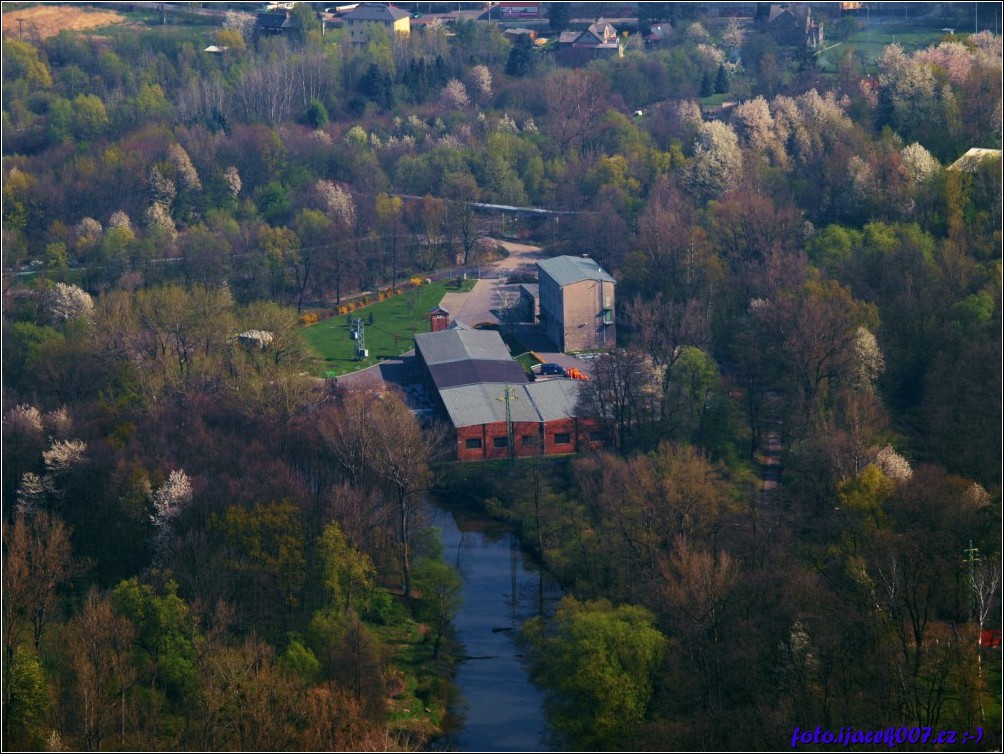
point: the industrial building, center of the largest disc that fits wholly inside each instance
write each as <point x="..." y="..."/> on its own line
<point x="577" y="304"/>
<point x="493" y="407"/>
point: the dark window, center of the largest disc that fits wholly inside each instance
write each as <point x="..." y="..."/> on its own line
<point x="595" y="436"/>
<point x="562" y="438"/>
<point x="473" y="444"/>
<point x="529" y="439"/>
<point x="500" y="442"/>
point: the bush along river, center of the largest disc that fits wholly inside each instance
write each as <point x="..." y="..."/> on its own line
<point x="499" y="708"/>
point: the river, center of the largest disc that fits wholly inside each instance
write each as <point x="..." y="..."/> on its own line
<point x="501" y="709"/>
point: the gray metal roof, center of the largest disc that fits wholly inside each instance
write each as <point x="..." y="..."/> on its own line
<point x="567" y="270"/>
<point x="460" y="345"/>
<point x="554" y="399"/>
<point x="376" y="12"/>
<point x="453" y="373"/>
<point x="483" y="403"/>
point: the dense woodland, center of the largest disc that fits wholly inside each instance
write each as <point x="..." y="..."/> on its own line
<point x="204" y="548"/>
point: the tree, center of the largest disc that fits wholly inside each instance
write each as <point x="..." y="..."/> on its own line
<point x="462" y="192"/>
<point x="575" y="100"/>
<point x="99" y="645"/>
<point x="26" y="702"/>
<point x="379" y="443"/>
<point x="388" y="214"/>
<point x="599" y="666"/>
<point x="442" y="594"/>
<point x="454" y="95"/>
<point x="38" y="562"/>
<point x="717" y="162"/>
<point x="721" y="80"/>
<point x="168" y="502"/>
<point x="558" y="16"/>
<point x="348" y="573"/>
<point x="622" y="393"/>
<point x="68" y="302"/>
<point x="522" y="60"/>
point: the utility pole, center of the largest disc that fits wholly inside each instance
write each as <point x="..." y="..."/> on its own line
<point x="973" y="555"/>
<point x="509" y="394"/>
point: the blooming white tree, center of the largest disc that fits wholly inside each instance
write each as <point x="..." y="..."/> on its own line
<point x="919" y="164"/>
<point x="64" y="455"/>
<point x="24" y="418"/>
<point x="454" y="95"/>
<point x="67" y="302"/>
<point x="481" y="80"/>
<point x="168" y="502"/>
<point x="892" y="464"/>
<point x="233" y="179"/>
<point x="120" y="219"/>
<point x="868" y="358"/>
<point x="162" y="188"/>
<point x="186" y="172"/>
<point x="717" y="162"/>
<point x="88" y="233"/>
<point x="337" y="203"/>
<point x="32" y="492"/>
<point x="158" y="217"/>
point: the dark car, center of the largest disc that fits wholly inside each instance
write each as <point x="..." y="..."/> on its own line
<point x="552" y="369"/>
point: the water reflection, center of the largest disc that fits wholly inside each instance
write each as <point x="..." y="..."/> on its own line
<point x="502" y="710"/>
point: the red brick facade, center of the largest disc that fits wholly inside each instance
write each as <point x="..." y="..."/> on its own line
<point x="558" y="437"/>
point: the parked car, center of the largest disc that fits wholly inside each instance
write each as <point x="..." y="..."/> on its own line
<point x="555" y="370"/>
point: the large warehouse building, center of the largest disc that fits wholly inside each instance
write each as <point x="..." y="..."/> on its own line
<point x="495" y="411"/>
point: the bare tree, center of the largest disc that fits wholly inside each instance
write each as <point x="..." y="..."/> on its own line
<point x="622" y="393"/>
<point x="38" y="561"/>
<point x="380" y="444"/>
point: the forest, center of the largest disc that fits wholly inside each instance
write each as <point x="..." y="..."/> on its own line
<point x="207" y="547"/>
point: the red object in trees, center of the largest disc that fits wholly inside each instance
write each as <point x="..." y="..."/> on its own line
<point x="990" y="638"/>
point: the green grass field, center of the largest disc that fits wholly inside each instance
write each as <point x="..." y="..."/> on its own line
<point x="870" y="42"/>
<point x="394" y="324"/>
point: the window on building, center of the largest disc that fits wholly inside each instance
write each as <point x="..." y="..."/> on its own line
<point x="595" y="436"/>
<point x="562" y="438"/>
<point x="529" y="439"/>
<point x="473" y="443"/>
<point x="500" y="442"/>
<point x="608" y="316"/>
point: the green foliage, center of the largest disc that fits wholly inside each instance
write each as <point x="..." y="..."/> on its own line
<point x="301" y="660"/>
<point x="166" y="633"/>
<point x="599" y="666"/>
<point x="317" y="114"/>
<point x="348" y="573"/>
<point x="26" y="702"/>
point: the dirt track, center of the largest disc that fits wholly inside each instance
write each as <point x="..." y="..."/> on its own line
<point x="48" y="20"/>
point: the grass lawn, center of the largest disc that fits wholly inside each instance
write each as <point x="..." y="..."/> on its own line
<point x="870" y="43"/>
<point x="394" y="324"/>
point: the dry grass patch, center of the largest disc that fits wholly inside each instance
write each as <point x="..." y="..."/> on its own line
<point x="47" y="21"/>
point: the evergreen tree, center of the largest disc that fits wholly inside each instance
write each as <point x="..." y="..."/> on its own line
<point x="721" y="80"/>
<point x="522" y="60"/>
<point x="558" y="15"/>
<point x="707" y="88"/>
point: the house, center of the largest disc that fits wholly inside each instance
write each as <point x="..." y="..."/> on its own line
<point x="367" y="15"/>
<point x="577" y="303"/>
<point x="598" y="41"/>
<point x="260" y="339"/>
<point x="792" y="25"/>
<point x="494" y="409"/>
<point x="974" y="158"/>
<point x="272" y="22"/>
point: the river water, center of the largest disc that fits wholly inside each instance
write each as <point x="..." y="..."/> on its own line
<point x="501" y="710"/>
